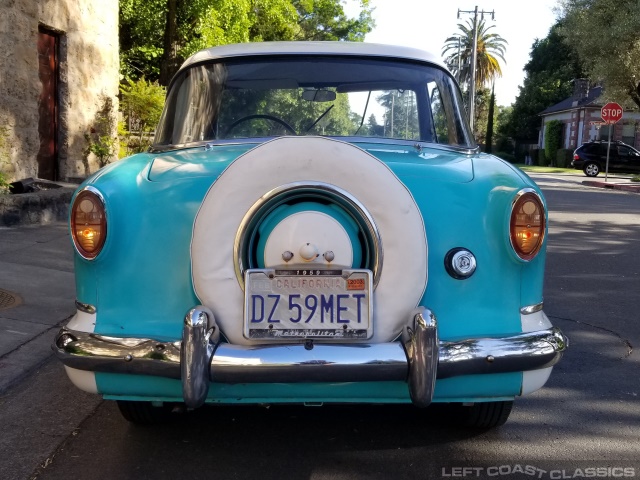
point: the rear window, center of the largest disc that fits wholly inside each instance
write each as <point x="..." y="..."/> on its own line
<point x="258" y="97"/>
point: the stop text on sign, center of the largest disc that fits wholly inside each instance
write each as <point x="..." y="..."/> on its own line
<point x="611" y="112"/>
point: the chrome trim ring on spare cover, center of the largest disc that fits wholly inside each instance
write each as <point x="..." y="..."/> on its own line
<point x="302" y="191"/>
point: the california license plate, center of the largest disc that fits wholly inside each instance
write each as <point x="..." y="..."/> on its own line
<point x="308" y="304"/>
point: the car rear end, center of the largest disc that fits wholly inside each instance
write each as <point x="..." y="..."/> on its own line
<point x="239" y="263"/>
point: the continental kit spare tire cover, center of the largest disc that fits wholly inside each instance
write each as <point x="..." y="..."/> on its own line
<point x="402" y="273"/>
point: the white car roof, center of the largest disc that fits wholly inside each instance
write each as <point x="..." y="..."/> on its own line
<point x="312" y="48"/>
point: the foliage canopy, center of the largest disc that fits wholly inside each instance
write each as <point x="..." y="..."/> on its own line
<point x="156" y="36"/>
<point x="606" y="36"/>
<point x="548" y="75"/>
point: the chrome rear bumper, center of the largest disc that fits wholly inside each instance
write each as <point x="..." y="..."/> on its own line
<point x="200" y="358"/>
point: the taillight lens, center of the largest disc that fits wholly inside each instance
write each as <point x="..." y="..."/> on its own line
<point x="527" y="226"/>
<point x="88" y="224"/>
<point x="576" y="157"/>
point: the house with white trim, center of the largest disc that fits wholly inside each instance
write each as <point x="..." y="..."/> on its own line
<point x="580" y="115"/>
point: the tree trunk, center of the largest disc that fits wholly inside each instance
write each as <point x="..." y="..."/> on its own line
<point x="634" y="93"/>
<point x="169" y="63"/>
<point x="489" y="138"/>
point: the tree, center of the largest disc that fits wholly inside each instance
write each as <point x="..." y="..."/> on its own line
<point x="548" y="80"/>
<point x="606" y="36"/>
<point x="491" y="49"/>
<point x="481" y="114"/>
<point x="326" y="20"/>
<point x="489" y="137"/>
<point x="190" y="25"/>
<point x="400" y="116"/>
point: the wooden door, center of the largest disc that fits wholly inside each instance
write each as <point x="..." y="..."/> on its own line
<point x="48" y="105"/>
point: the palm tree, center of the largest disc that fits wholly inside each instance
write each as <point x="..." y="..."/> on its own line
<point x="491" y="49"/>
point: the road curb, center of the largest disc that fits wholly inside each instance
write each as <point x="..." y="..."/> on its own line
<point x="45" y="206"/>
<point x="614" y="186"/>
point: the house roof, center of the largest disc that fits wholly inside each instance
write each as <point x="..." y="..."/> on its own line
<point x="591" y="100"/>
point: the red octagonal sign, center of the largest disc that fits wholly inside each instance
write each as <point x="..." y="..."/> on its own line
<point x="611" y="113"/>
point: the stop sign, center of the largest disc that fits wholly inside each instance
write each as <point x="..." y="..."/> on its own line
<point x="611" y="113"/>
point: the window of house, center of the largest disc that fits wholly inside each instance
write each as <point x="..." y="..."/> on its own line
<point x="629" y="134"/>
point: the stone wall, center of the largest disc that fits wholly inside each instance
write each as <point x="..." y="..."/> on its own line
<point x="88" y="72"/>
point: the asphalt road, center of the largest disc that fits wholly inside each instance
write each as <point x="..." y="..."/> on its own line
<point x="587" y="417"/>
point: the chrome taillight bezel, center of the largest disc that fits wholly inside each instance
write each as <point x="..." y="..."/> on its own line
<point x="97" y="199"/>
<point x="521" y="197"/>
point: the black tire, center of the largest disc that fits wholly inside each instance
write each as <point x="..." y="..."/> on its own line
<point x="591" y="169"/>
<point x="144" y="413"/>
<point x="483" y="414"/>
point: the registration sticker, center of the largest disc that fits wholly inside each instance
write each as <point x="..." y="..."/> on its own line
<point x="308" y="304"/>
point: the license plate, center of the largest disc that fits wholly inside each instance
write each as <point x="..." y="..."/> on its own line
<point x="308" y="304"/>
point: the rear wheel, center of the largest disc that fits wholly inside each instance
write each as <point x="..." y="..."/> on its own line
<point x="482" y="414"/>
<point x="144" y="413"/>
<point x="591" y="169"/>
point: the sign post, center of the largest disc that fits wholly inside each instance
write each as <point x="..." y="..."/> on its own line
<point x="611" y="114"/>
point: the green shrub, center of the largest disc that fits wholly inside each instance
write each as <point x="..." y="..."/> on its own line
<point x="4" y="184"/>
<point x="542" y="158"/>
<point x="101" y="139"/>
<point x="635" y="178"/>
<point x="552" y="139"/>
<point x="4" y="155"/>
<point x="563" y="157"/>
<point x="535" y="156"/>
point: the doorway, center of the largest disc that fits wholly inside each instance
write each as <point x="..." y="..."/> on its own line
<point x="48" y="71"/>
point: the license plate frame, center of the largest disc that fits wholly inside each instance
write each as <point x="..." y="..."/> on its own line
<point x="329" y="304"/>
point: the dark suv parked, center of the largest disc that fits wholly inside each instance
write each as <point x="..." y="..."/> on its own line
<point x="591" y="158"/>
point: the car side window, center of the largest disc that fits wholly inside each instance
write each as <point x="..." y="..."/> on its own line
<point x="624" y="151"/>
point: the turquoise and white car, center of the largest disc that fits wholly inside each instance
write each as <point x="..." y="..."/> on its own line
<point x="314" y="223"/>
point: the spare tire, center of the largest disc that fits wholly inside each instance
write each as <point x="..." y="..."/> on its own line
<point x="333" y="176"/>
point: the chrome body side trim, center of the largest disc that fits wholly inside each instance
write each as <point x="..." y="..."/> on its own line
<point x="421" y="344"/>
<point x="529" y="309"/>
<point x="209" y="145"/>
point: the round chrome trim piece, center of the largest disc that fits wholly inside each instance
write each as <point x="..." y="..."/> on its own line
<point x="279" y="195"/>
<point x="98" y="194"/>
<point x="517" y="196"/>
<point x="460" y="263"/>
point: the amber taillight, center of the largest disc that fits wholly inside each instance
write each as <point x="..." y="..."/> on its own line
<point x="527" y="227"/>
<point x="88" y="224"/>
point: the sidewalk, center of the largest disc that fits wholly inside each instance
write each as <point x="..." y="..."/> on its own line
<point x="37" y="292"/>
